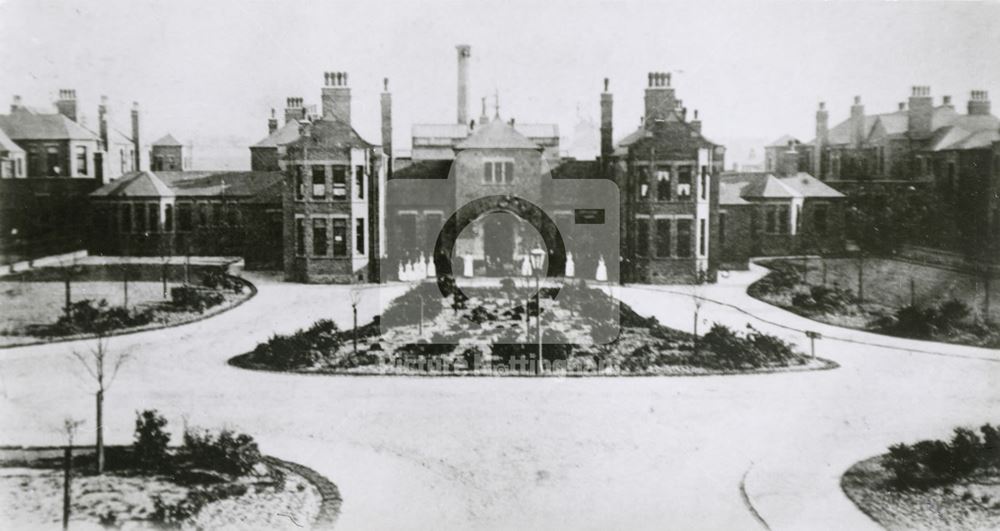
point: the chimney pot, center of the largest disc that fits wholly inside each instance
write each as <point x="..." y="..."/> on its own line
<point x="606" y="82"/>
<point x="385" y="84"/>
<point x="902" y="106"/>
<point x="857" y="100"/>
<point x="696" y="114"/>
<point x="947" y="100"/>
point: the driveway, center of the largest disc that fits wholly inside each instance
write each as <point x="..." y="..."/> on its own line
<point x="506" y="453"/>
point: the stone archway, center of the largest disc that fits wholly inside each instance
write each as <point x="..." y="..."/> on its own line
<point x="444" y="247"/>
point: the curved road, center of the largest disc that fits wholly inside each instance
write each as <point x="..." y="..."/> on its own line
<point x="505" y="453"/>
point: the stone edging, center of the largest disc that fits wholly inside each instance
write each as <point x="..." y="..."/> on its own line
<point x="329" y="508"/>
<point x="146" y="328"/>
<point x="748" y="502"/>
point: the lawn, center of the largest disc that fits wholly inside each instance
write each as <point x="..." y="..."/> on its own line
<point x="33" y="303"/>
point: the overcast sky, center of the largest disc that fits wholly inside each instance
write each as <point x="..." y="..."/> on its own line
<point x="208" y="72"/>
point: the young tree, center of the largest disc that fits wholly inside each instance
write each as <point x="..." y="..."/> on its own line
<point x="102" y="365"/>
<point x="355" y="300"/>
<point x="69" y="427"/>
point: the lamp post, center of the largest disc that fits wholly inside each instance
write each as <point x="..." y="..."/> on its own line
<point x="537" y="260"/>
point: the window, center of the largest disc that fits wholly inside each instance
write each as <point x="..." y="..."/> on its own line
<point x="203" y="214"/>
<point x="300" y="236"/>
<point x="683" y="238"/>
<point x="81" y="160"/>
<point x="339" y="182"/>
<point x="168" y="218"/>
<point x="498" y="172"/>
<point x="684" y="182"/>
<point x="642" y="237"/>
<point x="704" y="183"/>
<point x="126" y="214"/>
<point x="663" y="185"/>
<point x="121" y="160"/>
<point x="233" y="214"/>
<point x="339" y="237"/>
<point x="153" y="213"/>
<point x="951" y="176"/>
<point x="782" y="213"/>
<point x="819" y="218"/>
<point x="320" y="244"/>
<point x="19" y="170"/>
<point x="359" y="236"/>
<point x="318" y="182"/>
<point x="52" y="161"/>
<point x="140" y="218"/>
<point x="184" y="217"/>
<point x="359" y="182"/>
<point x="642" y="184"/>
<point x="217" y="214"/>
<point x="300" y="183"/>
<point x="663" y="238"/>
<point x="702" y="238"/>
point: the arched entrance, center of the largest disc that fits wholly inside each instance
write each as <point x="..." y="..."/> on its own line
<point x="444" y="247"/>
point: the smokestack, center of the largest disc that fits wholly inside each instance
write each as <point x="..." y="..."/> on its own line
<point x="464" y="53"/>
<point x="857" y="122"/>
<point x="921" y="110"/>
<point x="659" y="98"/>
<point x="102" y="121"/>
<point x="822" y="134"/>
<point x="66" y="104"/>
<point x="336" y="97"/>
<point x="135" y="135"/>
<point x="979" y="102"/>
<point x="607" y="108"/>
<point x="387" y="124"/>
<point x="294" y="109"/>
<point x="272" y="123"/>
<point x="696" y="122"/>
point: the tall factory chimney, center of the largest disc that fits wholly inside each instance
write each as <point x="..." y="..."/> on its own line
<point x="464" y="53"/>
<point x="387" y="124"/>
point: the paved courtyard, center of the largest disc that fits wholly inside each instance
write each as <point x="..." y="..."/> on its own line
<point x="523" y="453"/>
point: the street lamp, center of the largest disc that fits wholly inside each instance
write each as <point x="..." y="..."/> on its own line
<point x="537" y="260"/>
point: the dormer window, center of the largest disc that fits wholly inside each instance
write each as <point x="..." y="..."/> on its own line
<point x="498" y="172"/>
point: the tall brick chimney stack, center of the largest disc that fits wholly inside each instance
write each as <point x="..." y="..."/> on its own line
<point x="336" y="97"/>
<point x="822" y="136"/>
<point x="607" y="109"/>
<point x="102" y="122"/>
<point x="464" y="53"/>
<point x="857" y="122"/>
<point x="386" y="101"/>
<point x="921" y="110"/>
<point x="66" y="104"/>
<point x="660" y="99"/>
<point x="979" y="102"/>
<point x="294" y="109"/>
<point x="272" y="123"/>
<point x="136" y="143"/>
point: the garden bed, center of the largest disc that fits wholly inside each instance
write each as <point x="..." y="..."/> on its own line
<point x="492" y="332"/>
<point x="949" y="321"/>
<point x="34" y="311"/>
<point x="930" y="485"/>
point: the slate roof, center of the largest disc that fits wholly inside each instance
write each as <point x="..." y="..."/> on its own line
<point x="897" y="123"/>
<point x="26" y="125"/>
<point x="330" y="133"/>
<point x="460" y="131"/>
<point x="283" y="135"/>
<point x="783" y="141"/>
<point x="424" y="169"/>
<point x="245" y="184"/>
<point x="168" y="140"/>
<point x="496" y="135"/>
<point x="8" y="145"/>
<point x="577" y="169"/>
<point x="740" y="188"/>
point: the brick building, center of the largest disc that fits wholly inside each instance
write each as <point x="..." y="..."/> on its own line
<point x="167" y="154"/>
<point x="201" y="213"/>
<point x="43" y="198"/>
<point x="763" y="214"/>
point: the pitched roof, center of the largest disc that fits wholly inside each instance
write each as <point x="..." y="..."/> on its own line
<point x="26" y="125"/>
<point x="283" y="135"/>
<point x="167" y="140"/>
<point x="8" y="145"/>
<point x="424" y="169"/>
<point x="330" y="133"/>
<point x="195" y="184"/>
<point x="496" y="135"/>
<point x="739" y="188"/>
<point x="783" y="141"/>
<point x="577" y="169"/>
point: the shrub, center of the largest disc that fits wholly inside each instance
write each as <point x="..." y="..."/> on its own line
<point x="930" y="463"/>
<point x="303" y="348"/>
<point x="218" y="279"/>
<point x="151" y="440"/>
<point x="781" y="278"/>
<point x="729" y="350"/>
<point x="87" y="316"/>
<point x="193" y="298"/>
<point x="229" y="453"/>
